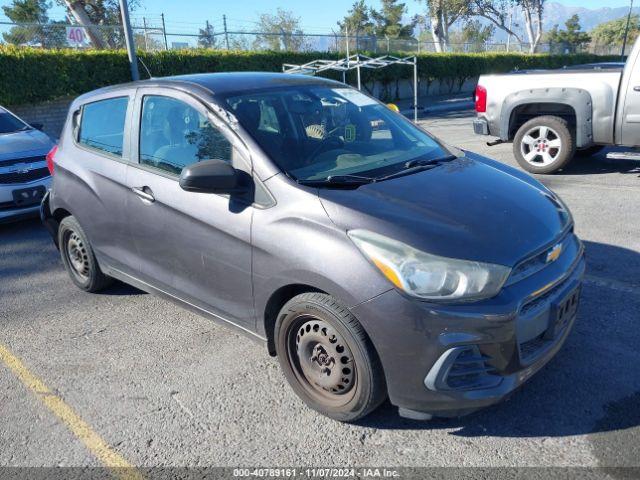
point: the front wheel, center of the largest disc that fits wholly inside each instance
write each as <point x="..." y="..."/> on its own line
<point x="327" y="358"/>
<point x="544" y="145"/>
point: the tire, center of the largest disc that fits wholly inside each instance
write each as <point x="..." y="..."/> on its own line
<point x="544" y="145"/>
<point x="328" y="359"/>
<point x="589" y="151"/>
<point x="78" y="257"/>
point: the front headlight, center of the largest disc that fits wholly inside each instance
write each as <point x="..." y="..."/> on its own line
<point x="429" y="276"/>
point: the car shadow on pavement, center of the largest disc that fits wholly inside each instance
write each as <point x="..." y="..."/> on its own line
<point x="593" y="383"/>
<point x="599" y="163"/>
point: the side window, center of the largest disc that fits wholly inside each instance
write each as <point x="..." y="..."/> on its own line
<point x="174" y="135"/>
<point x="102" y="125"/>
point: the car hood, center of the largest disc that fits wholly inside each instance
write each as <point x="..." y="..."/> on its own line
<point x="24" y="144"/>
<point x="470" y="208"/>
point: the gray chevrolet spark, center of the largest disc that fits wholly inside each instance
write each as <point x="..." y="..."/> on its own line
<point x="372" y="259"/>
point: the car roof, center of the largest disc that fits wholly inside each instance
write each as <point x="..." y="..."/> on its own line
<point x="220" y="84"/>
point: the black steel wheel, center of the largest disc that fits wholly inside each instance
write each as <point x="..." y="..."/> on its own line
<point x="327" y="357"/>
<point x="322" y="360"/>
<point x="78" y="258"/>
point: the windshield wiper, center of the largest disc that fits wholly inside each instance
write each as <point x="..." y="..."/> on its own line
<point x="412" y="166"/>
<point x="418" y="162"/>
<point x="339" y="180"/>
<point x="415" y="166"/>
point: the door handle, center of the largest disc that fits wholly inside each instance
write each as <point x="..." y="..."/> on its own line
<point x="144" y="193"/>
<point x="636" y="88"/>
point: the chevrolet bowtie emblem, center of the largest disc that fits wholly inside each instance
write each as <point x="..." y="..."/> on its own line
<point x="554" y="253"/>
<point x="21" y="168"/>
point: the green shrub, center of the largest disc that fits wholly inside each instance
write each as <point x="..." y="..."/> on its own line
<point x="31" y="75"/>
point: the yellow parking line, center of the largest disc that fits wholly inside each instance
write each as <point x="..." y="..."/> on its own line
<point x="81" y="429"/>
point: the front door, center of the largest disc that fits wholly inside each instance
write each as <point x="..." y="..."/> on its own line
<point x="195" y="246"/>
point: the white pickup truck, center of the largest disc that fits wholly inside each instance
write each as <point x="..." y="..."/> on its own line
<point x="551" y="115"/>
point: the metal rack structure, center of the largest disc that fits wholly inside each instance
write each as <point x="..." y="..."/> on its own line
<point x="357" y="62"/>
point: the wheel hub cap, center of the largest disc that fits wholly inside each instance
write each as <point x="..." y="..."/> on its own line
<point x="541" y="146"/>
<point x="325" y="360"/>
<point x="77" y="255"/>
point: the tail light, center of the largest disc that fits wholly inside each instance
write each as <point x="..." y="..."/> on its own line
<point x="481" y="99"/>
<point x="50" y="156"/>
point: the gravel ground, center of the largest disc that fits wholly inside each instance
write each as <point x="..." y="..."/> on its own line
<point x="164" y="387"/>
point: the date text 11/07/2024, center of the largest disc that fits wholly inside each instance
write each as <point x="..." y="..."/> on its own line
<point x="316" y="472"/>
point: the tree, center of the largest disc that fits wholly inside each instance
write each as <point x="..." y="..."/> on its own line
<point x="358" y="20"/>
<point x="93" y="13"/>
<point x="474" y="33"/>
<point x="442" y="14"/>
<point x="281" y="32"/>
<point x="532" y="11"/>
<point x="500" y="12"/>
<point x="206" y="37"/>
<point x="389" y="20"/>
<point x="571" y="37"/>
<point x="612" y="33"/>
<point x="27" y="11"/>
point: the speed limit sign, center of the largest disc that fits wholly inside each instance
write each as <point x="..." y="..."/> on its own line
<point x="76" y="37"/>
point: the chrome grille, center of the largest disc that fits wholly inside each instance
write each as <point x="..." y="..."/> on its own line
<point x="538" y="261"/>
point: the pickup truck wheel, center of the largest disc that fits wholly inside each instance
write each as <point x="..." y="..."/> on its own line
<point x="78" y="258"/>
<point x="544" y="145"/>
<point x="327" y="357"/>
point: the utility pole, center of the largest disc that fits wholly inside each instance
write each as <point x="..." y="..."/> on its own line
<point x="510" y="29"/>
<point x="164" y="32"/>
<point x="346" y="36"/>
<point x="146" y="42"/>
<point x="128" y="36"/>
<point x="626" y="31"/>
<point x="226" y="32"/>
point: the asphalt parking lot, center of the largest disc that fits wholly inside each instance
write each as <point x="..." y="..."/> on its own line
<point x="162" y="386"/>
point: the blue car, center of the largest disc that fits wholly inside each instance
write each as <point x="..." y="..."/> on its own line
<point x="24" y="176"/>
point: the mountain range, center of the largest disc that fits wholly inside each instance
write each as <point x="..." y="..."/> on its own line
<point x="556" y="14"/>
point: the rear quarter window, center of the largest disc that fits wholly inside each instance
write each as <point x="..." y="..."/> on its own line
<point x="102" y="125"/>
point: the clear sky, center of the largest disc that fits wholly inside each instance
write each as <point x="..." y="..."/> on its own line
<point x="318" y="16"/>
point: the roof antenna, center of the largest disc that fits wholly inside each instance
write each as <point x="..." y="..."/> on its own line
<point x="145" y="67"/>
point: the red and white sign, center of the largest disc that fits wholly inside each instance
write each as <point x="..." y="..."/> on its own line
<point x="77" y="37"/>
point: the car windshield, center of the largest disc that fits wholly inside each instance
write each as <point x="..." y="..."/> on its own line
<point x="9" y="123"/>
<point x="319" y="132"/>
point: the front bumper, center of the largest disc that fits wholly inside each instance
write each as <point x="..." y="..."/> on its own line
<point x="449" y="360"/>
<point x="9" y="210"/>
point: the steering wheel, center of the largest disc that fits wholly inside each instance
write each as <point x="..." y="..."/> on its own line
<point x="329" y="143"/>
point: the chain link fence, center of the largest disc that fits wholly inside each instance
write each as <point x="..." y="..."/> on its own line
<point x="154" y="37"/>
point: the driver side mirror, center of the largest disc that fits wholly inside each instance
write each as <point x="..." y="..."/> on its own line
<point x="37" y="126"/>
<point x="210" y="176"/>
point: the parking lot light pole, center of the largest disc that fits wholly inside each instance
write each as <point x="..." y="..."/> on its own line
<point x="128" y="36"/>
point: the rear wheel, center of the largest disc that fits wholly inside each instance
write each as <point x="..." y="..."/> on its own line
<point x="327" y="358"/>
<point x="78" y="257"/>
<point x="544" y="145"/>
